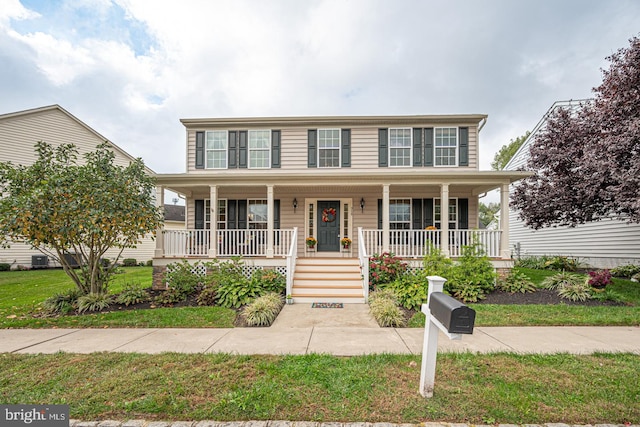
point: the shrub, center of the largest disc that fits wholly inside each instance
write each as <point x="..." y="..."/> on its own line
<point x="516" y="282"/>
<point x="235" y="292"/>
<point x="263" y="310"/>
<point x="575" y="291"/>
<point x="411" y="290"/>
<point x="473" y="276"/>
<point x="607" y="295"/>
<point x="93" y="302"/>
<point x="625" y="271"/>
<point x="561" y="280"/>
<point x="385" y="268"/>
<point x="5" y="267"/>
<point x="270" y="280"/>
<point x="149" y="263"/>
<point x="533" y="262"/>
<point x="62" y="303"/>
<point x="132" y="294"/>
<point x="636" y="277"/>
<point x="435" y="263"/>
<point x="169" y="297"/>
<point x="129" y="262"/>
<point x="208" y="295"/>
<point x="385" y="310"/>
<point x="562" y="263"/>
<point x="599" y="279"/>
<point x="181" y="277"/>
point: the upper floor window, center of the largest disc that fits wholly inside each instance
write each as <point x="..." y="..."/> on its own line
<point x="400" y="214"/>
<point x="259" y="148"/>
<point x="328" y="148"/>
<point x="446" y="146"/>
<point x="216" y="149"/>
<point x="400" y="147"/>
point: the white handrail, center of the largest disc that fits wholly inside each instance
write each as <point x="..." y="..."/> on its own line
<point x="364" y="263"/>
<point x="291" y="260"/>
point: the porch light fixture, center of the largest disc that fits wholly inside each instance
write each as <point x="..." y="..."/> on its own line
<point x="362" y="204"/>
<point x="295" y="204"/>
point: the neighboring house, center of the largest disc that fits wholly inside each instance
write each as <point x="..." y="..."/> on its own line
<point x="20" y="131"/>
<point x="174" y="217"/>
<point x="259" y="187"/>
<point x="602" y="244"/>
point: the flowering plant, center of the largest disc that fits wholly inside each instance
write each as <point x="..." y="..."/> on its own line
<point x="345" y="241"/>
<point x="311" y="241"/>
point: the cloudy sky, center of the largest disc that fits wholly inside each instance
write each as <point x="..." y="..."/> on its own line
<point x="132" y="68"/>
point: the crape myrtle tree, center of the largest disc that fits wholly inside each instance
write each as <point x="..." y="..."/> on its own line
<point x="61" y="206"/>
<point x="587" y="161"/>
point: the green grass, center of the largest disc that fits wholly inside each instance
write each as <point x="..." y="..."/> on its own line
<point x="558" y="315"/>
<point x="476" y="389"/>
<point x="21" y="293"/>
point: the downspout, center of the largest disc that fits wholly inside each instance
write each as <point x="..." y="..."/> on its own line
<point x="484" y="122"/>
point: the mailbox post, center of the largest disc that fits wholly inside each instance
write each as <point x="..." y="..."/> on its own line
<point x="446" y="314"/>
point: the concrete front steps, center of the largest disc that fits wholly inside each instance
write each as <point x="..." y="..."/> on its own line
<point x="327" y="280"/>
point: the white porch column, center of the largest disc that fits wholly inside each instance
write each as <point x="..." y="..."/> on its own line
<point x="444" y="219"/>
<point x="159" y="251"/>
<point x="505" y="252"/>
<point x="385" y="218"/>
<point x="213" y="227"/>
<point x="270" y="213"/>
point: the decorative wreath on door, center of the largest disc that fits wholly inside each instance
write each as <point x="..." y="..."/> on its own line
<point x="328" y="215"/>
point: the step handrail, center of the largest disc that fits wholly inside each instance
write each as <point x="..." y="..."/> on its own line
<point x="364" y="264"/>
<point x="292" y="257"/>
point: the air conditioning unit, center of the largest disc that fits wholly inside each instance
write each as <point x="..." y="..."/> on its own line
<point x="71" y="260"/>
<point x="39" y="261"/>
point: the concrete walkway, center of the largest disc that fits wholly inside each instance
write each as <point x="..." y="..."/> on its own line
<point x="300" y="329"/>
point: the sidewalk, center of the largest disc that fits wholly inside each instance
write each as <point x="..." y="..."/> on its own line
<point x="299" y="329"/>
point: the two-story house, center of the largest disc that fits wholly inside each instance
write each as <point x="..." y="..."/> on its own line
<point x="259" y="187"/>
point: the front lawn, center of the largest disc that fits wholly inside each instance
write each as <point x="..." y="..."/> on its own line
<point x="22" y="292"/>
<point x="474" y="389"/>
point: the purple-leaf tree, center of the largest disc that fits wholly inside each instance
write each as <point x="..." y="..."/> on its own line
<point x="587" y="160"/>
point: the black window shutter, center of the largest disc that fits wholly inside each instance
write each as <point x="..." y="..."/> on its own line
<point x="428" y="147"/>
<point x="242" y="214"/>
<point x="463" y="144"/>
<point x="417" y="147"/>
<point x="312" y="148"/>
<point x="416" y="220"/>
<point x="276" y="214"/>
<point x="232" y="214"/>
<point x="346" y="148"/>
<point x="379" y="214"/>
<point x="199" y="211"/>
<point x="428" y="212"/>
<point x="242" y="149"/>
<point x="383" y="148"/>
<point x="232" y="149"/>
<point x="275" y="148"/>
<point x="463" y="214"/>
<point x="199" y="150"/>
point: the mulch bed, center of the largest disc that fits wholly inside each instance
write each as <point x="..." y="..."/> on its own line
<point x="542" y="296"/>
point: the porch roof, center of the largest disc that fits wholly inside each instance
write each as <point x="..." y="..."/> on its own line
<point x="477" y="181"/>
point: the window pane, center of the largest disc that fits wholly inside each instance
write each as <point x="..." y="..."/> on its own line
<point x="329" y="158"/>
<point x="400" y="147"/>
<point x="399" y="137"/>
<point x="259" y="159"/>
<point x="259" y="139"/>
<point x="217" y="140"/>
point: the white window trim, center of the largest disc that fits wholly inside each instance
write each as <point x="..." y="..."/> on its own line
<point x="410" y="148"/>
<point x="250" y="150"/>
<point x="457" y="221"/>
<point x="457" y="147"/>
<point x="207" y="150"/>
<point x="346" y="221"/>
<point x="339" y="148"/>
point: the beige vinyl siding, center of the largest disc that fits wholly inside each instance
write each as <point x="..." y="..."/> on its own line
<point x="364" y="148"/>
<point x="18" y="135"/>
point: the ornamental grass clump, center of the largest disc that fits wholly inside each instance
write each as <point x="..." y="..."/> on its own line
<point x="516" y="282"/>
<point x="263" y="310"/>
<point x="569" y="286"/>
<point x="384" y="308"/>
<point x="63" y="302"/>
<point x="93" y="302"/>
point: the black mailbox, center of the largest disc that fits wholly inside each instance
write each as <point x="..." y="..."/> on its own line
<point x="454" y="315"/>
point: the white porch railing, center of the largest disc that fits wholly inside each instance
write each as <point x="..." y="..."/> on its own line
<point x="292" y="256"/>
<point x="416" y="243"/>
<point x="363" y="257"/>
<point x="245" y="243"/>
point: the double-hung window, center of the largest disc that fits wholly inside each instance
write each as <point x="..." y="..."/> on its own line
<point x="446" y="146"/>
<point x="400" y="147"/>
<point x="257" y="214"/>
<point x="328" y="148"/>
<point x="259" y="148"/>
<point x="452" y="214"/>
<point x="216" y="149"/>
<point x="400" y="214"/>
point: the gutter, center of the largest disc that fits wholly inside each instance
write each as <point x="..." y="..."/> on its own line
<point x="484" y="122"/>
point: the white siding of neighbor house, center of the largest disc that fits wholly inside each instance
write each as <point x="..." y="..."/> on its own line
<point x="18" y="135"/>
<point x="364" y="148"/>
<point x="602" y="244"/>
